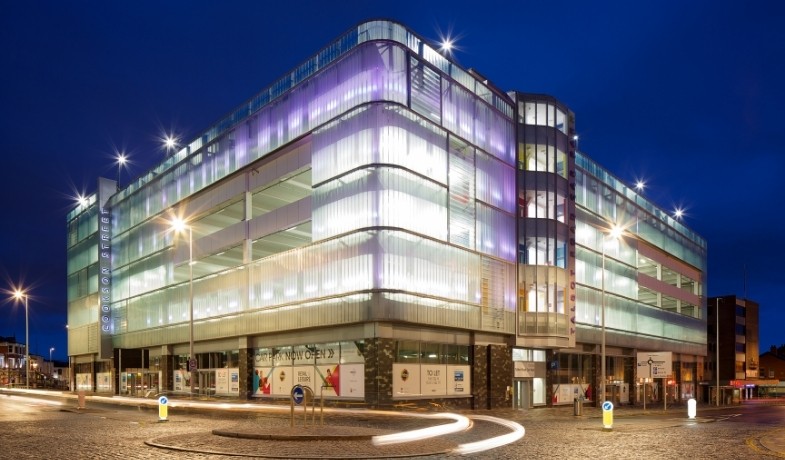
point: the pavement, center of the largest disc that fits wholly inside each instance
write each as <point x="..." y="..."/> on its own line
<point x="357" y="429"/>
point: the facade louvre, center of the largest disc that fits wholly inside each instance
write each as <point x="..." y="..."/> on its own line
<point x="382" y="226"/>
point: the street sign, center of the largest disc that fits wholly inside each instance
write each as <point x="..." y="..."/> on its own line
<point x="298" y="394"/>
<point x="192" y="364"/>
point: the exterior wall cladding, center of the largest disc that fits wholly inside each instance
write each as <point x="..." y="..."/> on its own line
<point x="388" y="229"/>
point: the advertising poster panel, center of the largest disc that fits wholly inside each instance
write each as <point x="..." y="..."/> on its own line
<point x="234" y="381"/>
<point x="433" y="381"/>
<point x="282" y="381"/>
<point x="303" y="375"/>
<point x="83" y="382"/>
<point x="406" y="380"/>
<point x="180" y="378"/>
<point x="329" y="369"/>
<point x="459" y="380"/>
<point x="351" y="380"/>
<point x="222" y="381"/>
<point x="328" y="380"/>
<point x="104" y="381"/>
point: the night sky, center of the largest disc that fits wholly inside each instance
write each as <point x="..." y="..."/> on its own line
<point x="687" y="96"/>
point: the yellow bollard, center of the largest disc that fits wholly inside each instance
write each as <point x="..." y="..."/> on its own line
<point x="163" y="408"/>
<point x="607" y="415"/>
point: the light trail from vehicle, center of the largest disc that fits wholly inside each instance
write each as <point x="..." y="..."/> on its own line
<point x="461" y="423"/>
<point x="518" y="431"/>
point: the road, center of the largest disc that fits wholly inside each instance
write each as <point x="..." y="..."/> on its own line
<point x="36" y="428"/>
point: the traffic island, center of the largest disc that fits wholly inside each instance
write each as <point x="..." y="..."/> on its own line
<point x="299" y="442"/>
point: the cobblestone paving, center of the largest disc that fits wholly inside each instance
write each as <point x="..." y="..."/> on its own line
<point x="48" y="432"/>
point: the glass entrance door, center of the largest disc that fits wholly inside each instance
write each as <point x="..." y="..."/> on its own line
<point x="521" y="394"/>
<point x="205" y="383"/>
<point x="151" y="383"/>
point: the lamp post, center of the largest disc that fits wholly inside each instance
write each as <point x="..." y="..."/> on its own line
<point x="179" y="225"/>
<point x="602" y="303"/>
<point x="51" y="364"/>
<point x="19" y="294"/>
<point x="717" y="346"/>
<point x="615" y="233"/>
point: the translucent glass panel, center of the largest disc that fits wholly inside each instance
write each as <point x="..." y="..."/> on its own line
<point x="495" y="232"/>
<point x="274" y="243"/>
<point x="652" y="224"/>
<point x="141" y="241"/>
<point x="374" y="197"/>
<point x="416" y="265"/>
<point x="426" y="98"/>
<point x="495" y="298"/>
<point x="82" y="225"/>
<point x="380" y="134"/>
<point x="370" y="260"/>
<point x="142" y="276"/>
<point x="475" y="121"/>
<point x="619" y="278"/>
<point x="495" y="182"/>
<point x="376" y="71"/>
<point x="83" y="254"/>
<point x="226" y="215"/>
<point x="83" y="282"/>
<point x="543" y="290"/>
<point x="83" y="311"/>
<point x="280" y="194"/>
<point x="624" y="314"/>
<point x="462" y="193"/>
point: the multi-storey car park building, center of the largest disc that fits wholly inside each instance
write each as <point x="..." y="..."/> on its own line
<point x="385" y="227"/>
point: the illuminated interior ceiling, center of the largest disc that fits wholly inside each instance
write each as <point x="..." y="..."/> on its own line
<point x="265" y="199"/>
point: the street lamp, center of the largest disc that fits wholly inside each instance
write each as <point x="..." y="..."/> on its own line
<point x="121" y="160"/>
<point x="615" y="233"/>
<point x="179" y="225"/>
<point x="20" y="294"/>
<point x="170" y="142"/>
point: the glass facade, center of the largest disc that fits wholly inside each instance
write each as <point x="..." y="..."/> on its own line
<point x="378" y="184"/>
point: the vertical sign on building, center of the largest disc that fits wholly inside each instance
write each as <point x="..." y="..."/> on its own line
<point x="106" y="188"/>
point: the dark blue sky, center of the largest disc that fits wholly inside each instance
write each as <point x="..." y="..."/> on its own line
<point x="685" y="95"/>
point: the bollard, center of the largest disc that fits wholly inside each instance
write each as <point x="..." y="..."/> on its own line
<point x="691" y="408"/>
<point x="163" y="409"/>
<point x="607" y="416"/>
<point x="81" y="400"/>
<point x="577" y="407"/>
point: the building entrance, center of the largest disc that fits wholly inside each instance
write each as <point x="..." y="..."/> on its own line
<point x="205" y="383"/>
<point x="521" y="394"/>
<point x="141" y="383"/>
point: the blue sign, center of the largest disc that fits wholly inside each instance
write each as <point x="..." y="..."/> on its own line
<point x="298" y="394"/>
<point x="163" y="400"/>
<point x="607" y="405"/>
